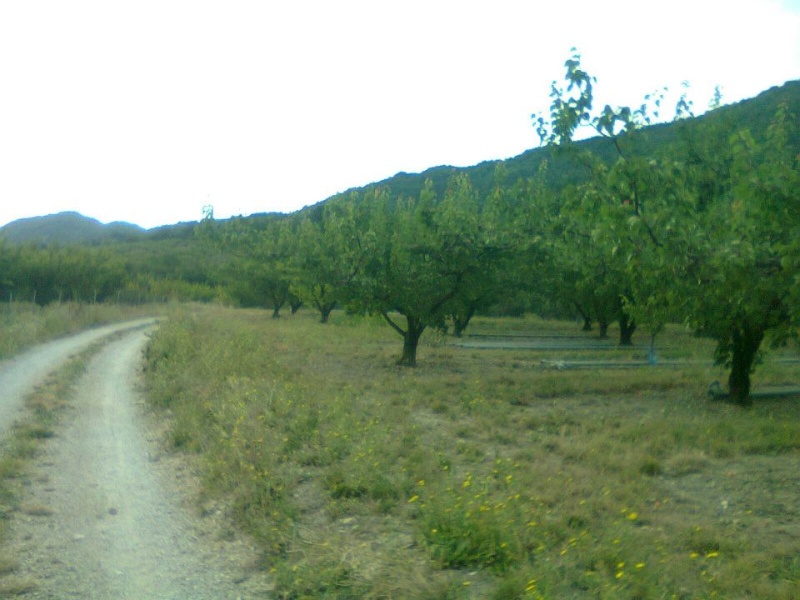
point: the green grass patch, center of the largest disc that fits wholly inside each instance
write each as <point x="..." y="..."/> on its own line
<point x="481" y="474"/>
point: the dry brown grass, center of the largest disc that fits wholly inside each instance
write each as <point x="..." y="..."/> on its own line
<point x="483" y="473"/>
<point x="12" y="586"/>
<point x="24" y="324"/>
<point x="36" y="510"/>
<point x="8" y="564"/>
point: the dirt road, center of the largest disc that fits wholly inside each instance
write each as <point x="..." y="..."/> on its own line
<point x="109" y="516"/>
<point x="19" y="375"/>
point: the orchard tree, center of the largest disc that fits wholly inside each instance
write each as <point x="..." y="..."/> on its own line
<point x="590" y="270"/>
<point x="421" y="256"/>
<point x="9" y="270"/>
<point x="588" y="240"/>
<point x="269" y="270"/>
<point x="711" y="234"/>
<point x="258" y="269"/>
<point x="518" y="273"/>
<point x="45" y="275"/>
<point x="489" y="237"/>
<point x="329" y="253"/>
<point x="91" y="275"/>
<point x="732" y="246"/>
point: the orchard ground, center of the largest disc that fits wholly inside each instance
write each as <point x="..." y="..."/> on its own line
<point x="483" y="473"/>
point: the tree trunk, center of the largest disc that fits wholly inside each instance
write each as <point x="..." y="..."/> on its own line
<point x="295" y="305"/>
<point x="324" y="311"/>
<point x="459" y="325"/>
<point x="460" y="322"/>
<point x="744" y="348"/>
<point x="603" y="324"/>
<point x="410" y="342"/>
<point x="626" y="329"/>
<point x="587" y="320"/>
<point x="278" y="297"/>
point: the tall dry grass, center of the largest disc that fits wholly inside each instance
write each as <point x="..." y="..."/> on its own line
<point x="481" y="473"/>
<point x="23" y="325"/>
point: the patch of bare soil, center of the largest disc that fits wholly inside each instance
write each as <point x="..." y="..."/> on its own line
<point x="758" y="493"/>
<point x="108" y="515"/>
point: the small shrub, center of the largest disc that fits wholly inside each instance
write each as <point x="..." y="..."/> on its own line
<point x="474" y="523"/>
<point x="342" y="485"/>
<point x="651" y="467"/>
<point x="328" y="578"/>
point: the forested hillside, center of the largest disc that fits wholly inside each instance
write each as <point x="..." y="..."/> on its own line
<point x="753" y="114"/>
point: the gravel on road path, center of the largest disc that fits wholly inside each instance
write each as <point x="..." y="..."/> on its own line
<point x="116" y="517"/>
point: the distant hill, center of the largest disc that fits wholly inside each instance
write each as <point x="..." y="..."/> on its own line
<point x="67" y="228"/>
<point x="755" y="114"/>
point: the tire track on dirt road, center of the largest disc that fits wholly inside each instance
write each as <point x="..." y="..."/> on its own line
<point x="121" y="526"/>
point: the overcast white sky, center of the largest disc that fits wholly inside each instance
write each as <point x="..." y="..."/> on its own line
<point x="145" y="111"/>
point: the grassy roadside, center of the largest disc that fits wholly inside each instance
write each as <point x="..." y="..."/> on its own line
<point x="481" y="474"/>
<point x="44" y="407"/>
<point x="23" y="325"/>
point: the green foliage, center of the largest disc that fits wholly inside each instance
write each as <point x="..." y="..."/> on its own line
<point x="45" y="275"/>
<point x="427" y="258"/>
<point x="136" y="272"/>
<point x="705" y="236"/>
<point x="330" y="250"/>
<point x="725" y="238"/>
<point x="474" y="522"/>
<point x="571" y="106"/>
<point x="255" y="265"/>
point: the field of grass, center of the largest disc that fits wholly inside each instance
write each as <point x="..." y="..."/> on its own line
<point x="481" y="473"/>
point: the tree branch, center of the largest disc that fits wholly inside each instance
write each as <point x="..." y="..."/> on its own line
<point x="394" y="325"/>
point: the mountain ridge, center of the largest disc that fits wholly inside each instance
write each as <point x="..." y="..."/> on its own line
<point x="71" y="227"/>
<point x="754" y="113"/>
<point x="68" y="227"/>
